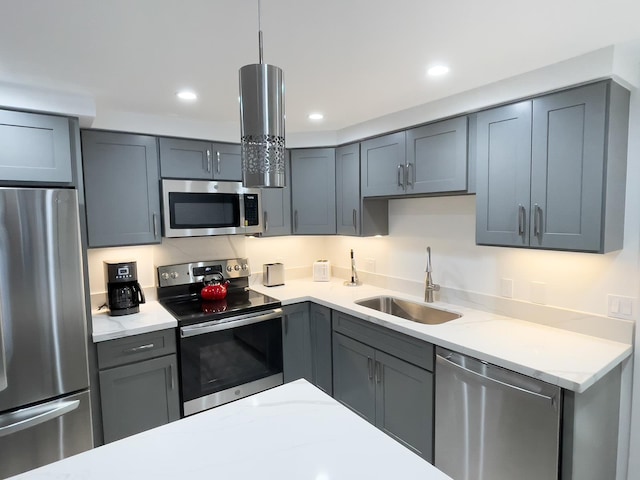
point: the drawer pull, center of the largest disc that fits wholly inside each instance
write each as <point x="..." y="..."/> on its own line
<point x="140" y="348"/>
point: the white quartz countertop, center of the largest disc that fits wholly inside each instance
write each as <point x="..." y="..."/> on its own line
<point x="152" y="317"/>
<point x="291" y="432"/>
<point x="570" y="360"/>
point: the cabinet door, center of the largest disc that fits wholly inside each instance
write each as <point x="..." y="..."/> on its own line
<point x="437" y="157"/>
<point x="567" y="170"/>
<point x="353" y="385"/>
<point x="35" y="148"/>
<point x="348" y="190"/>
<point x="227" y="163"/>
<point x="181" y="158"/>
<point x="382" y="164"/>
<point x="503" y="175"/>
<point x="139" y="396"/>
<point x="296" y="343"/>
<point x="404" y="403"/>
<point x="320" y="317"/>
<point x="121" y="188"/>
<point x="276" y="206"/>
<point x="313" y="191"/>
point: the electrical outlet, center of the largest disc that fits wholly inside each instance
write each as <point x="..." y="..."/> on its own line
<point x="539" y="292"/>
<point x="620" y="307"/>
<point x="370" y="265"/>
<point x="506" y="287"/>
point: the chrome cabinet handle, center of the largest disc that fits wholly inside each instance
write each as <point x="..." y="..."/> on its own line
<point x="172" y="383"/>
<point x="140" y="348"/>
<point x="521" y="220"/>
<point x="208" y="160"/>
<point x="355" y="220"/>
<point x="378" y="372"/>
<point x="410" y="174"/>
<point x="265" y="216"/>
<point x="30" y="417"/>
<point x="401" y="176"/>
<point x="370" y="367"/>
<point x="295" y="221"/>
<point x="155" y="225"/>
<point x="537" y="220"/>
<point x="218" y="162"/>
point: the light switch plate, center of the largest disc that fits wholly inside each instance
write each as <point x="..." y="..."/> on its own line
<point x="539" y="292"/>
<point x="506" y="287"/>
<point x="620" y="307"/>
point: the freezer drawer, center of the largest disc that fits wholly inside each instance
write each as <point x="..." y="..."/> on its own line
<point x="41" y="434"/>
<point x="494" y="424"/>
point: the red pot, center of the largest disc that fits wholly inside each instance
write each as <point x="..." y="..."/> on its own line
<point x="214" y="291"/>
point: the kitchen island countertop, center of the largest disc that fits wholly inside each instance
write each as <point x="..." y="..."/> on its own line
<point x="291" y="432"/>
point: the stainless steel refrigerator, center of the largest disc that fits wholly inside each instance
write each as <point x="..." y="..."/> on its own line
<point x="44" y="399"/>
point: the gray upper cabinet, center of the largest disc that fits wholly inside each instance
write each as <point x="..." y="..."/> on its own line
<point x="437" y="157"/>
<point x="382" y="165"/>
<point x="276" y="206"/>
<point x="196" y="159"/>
<point x="313" y="191"/>
<point x="552" y="171"/>
<point x="35" y="148"/>
<point x="121" y="188"/>
<point x="348" y="190"/>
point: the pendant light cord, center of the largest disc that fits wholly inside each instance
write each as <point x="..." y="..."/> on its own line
<point x="259" y="36"/>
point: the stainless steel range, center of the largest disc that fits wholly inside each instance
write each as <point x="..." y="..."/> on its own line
<point x="228" y="348"/>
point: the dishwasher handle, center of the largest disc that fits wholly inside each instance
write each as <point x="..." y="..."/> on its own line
<point x="451" y="359"/>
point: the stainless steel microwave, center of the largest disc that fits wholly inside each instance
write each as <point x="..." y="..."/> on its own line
<point x="195" y="208"/>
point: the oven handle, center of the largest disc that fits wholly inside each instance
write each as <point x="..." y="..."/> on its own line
<point x="231" y="322"/>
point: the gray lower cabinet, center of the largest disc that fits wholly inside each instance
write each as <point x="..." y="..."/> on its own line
<point x="121" y="188"/>
<point x="551" y="172"/>
<point x="138" y="383"/>
<point x="386" y="378"/>
<point x="35" y="148"/>
<point x="355" y="215"/>
<point x="197" y="159"/>
<point x="306" y="343"/>
<point x="276" y="206"/>
<point x="313" y="191"/>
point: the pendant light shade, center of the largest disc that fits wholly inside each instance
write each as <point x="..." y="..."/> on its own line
<point x="262" y="125"/>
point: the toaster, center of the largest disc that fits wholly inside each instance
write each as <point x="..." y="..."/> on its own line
<point x="272" y="274"/>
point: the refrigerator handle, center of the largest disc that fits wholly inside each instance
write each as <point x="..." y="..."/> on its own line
<point x="16" y="421"/>
<point x="3" y="361"/>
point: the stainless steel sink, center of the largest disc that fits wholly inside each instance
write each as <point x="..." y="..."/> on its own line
<point x="416" y="312"/>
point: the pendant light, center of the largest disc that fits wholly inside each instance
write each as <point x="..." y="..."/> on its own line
<point x="262" y="122"/>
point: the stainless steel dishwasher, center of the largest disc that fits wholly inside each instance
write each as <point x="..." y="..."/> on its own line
<point x="494" y="424"/>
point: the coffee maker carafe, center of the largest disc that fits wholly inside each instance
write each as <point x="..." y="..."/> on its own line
<point x="123" y="290"/>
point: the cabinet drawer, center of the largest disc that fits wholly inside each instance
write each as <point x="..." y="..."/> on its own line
<point x="402" y="346"/>
<point x="136" y="348"/>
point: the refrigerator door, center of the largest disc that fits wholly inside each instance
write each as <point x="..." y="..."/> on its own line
<point x="43" y="352"/>
<point x="34" y="436"/>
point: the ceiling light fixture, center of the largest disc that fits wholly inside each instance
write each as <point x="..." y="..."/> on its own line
<point x="186" y="95"/>
<point x="316" y="116"/>
<point x="262" y="122"/>
<point x="438" y="70"/>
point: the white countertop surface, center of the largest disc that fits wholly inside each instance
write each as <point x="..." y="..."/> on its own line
<point x="291" y="432"/>
<point x="570" y="360"/>
<point x="152" y="317"/>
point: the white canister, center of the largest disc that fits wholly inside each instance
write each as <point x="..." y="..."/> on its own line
<point x="321" y="271"/>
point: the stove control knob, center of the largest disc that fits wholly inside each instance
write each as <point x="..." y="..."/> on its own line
<point x="165" y="276"/>
<point x="245" y="267"/>
<point x="229" y="268"/>
<point x="175" y="275"/>
<point x="236" y="268"/>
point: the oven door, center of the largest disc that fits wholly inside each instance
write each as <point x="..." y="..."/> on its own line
<point x="224" y="360"/>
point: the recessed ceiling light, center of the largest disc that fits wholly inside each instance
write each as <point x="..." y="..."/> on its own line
<point x="186" y="95"/>
<point x="316" y="116"/>
<point x="438" y="70"/>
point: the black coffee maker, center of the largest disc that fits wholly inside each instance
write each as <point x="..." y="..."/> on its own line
<point x="123" y="290"/>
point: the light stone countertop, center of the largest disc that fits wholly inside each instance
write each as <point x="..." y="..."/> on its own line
<point x="570" y="360"/>
<point x="152" y="317"/>
<point x="290" y="432"/>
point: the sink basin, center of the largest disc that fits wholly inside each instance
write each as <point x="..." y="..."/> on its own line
<point x="416" y="312"/>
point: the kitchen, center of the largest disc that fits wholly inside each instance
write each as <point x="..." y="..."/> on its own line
<point x="578" y="281"/>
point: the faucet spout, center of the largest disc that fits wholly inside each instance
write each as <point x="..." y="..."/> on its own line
<point x="429" y="286"/>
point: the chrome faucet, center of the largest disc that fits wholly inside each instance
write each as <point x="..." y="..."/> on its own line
<point x="429" y="286"/>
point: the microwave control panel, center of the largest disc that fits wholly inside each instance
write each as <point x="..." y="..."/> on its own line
<point x="251" y="210"/>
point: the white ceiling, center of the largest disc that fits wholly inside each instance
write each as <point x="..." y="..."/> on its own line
<point x="354" y="60"/>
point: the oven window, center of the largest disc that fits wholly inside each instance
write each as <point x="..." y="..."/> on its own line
<point x="204" y="210"/>
<point x="216" y="361"/>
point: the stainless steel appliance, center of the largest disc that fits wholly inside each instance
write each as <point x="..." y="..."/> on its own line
<point x="199" y="207"/>
<point x="494" y="424"/>
<point x="123" y="290"/>
<point x="44" y="399"/>
<point x="227" y="348"/>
